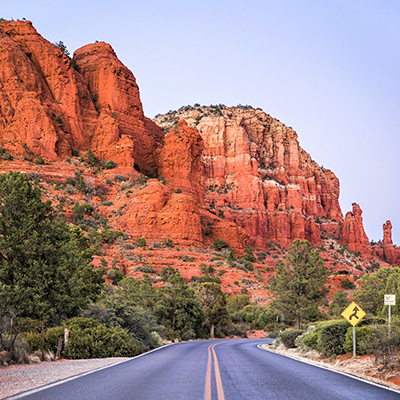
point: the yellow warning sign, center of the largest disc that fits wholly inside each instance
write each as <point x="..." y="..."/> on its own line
<point x="353" y="313"/>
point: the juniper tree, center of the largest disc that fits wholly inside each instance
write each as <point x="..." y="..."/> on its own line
<point x="45" y="270"/>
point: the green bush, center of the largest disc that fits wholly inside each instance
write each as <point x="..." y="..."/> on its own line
<point x="331" y="338"/>
<point x="119" y="178"/>
<point x="51" y="335"/>
<point x="109" y="164"/>
<point x="115" y="275"/>
<point x="288" y="337"/>
<point x="376" y="341"/>
<point x="347" y="284"/>
<point x="362" y="335"/>
<point x="100" y="342"/>
<point x="39" y="160"/>
<point x="140" y="242"/>
<point x="220" y="244"/>
<point x="308" y="340"/>
<point x="91" y="159"/>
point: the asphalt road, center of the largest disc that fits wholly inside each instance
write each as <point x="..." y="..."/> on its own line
<point x="229" y="369"/>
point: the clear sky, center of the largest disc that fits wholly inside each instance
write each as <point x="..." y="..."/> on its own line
<point x="330" y="69"/>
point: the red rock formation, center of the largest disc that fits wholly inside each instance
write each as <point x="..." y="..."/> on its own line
<point x="120" y="133"/>
<point x="172" y="211"/>
<point x="158" y="213"/>
<point x="258" y="176"/>
<point x="389" y="253"/>
<point x="387" y="233"/>
<point x="49" y="108"/>
<point x="353" y="234"/>
<point x="179" y="161"/>
<point x="44" y="102"/>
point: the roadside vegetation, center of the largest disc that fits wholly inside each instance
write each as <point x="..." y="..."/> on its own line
<point x="334" y="337"/>
<point x="53" y="303"/>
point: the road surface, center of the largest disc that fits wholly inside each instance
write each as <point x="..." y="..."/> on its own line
<point x="229" y="369"/>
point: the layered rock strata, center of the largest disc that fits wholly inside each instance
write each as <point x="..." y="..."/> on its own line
<point x="258" y="176"/>
<point x="352" y="232"/>
<point x="51" y="104"/>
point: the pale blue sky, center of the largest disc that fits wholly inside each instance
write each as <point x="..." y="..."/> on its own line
<point x="330" y="69"/>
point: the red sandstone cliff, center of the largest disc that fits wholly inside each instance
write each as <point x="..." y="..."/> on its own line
<point x="353" y="234"/>
<point x="45" y="103"/>
<point x="386" y="250"/>
<point x="121" y="130"/>
<point x="233" y="173"/>
<point x="51" y="104"/>
<point x="258" y="177"/>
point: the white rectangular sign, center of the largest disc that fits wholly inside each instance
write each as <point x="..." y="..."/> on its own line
<point x="390" y="299"/>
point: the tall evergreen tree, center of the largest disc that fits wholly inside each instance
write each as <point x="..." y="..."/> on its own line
<point x="299" y="283"/>
<point x="213" y="302"/>
<point x="178" y="308"/>
<point x="45" y="270"/>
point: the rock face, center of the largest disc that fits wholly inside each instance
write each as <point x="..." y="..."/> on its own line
<point x="257" y="175"/>
<point x="353" y="234"/>
<point x="233" y="173"/>
<point x="51" y="104"/>
<point x="180" y="163"/>
<point x="120" y="132"/>
<point x="388" y="251"/>
<point x="46" y="107"/>
<point x="175" y="209"/>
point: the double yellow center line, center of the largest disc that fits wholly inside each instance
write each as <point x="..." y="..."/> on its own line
<point x="218" y="381"/>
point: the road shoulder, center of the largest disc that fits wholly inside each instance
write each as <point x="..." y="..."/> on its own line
<point x="337" y="366"/>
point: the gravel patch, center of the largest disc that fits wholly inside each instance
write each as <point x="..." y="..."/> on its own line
<point x="15" y="379"/>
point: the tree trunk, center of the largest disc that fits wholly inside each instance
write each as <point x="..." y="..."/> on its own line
<point x="212" y="331"/>
<point x="11" y="337"/>
<point x="298" y="320"/>
<point x="59" y="348"/>
<point x="42" y="341"/>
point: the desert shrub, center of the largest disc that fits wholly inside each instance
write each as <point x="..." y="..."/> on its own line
<point x="146" y="268"/>
<point x="90" y="339"/>
<point x="331" y="338"/>
<point x="247" y="265"/>
<point x="51" y="335"/>
<point x="80" y="210"/>
<point x="108" y="164"/>
<point x="347" y="284"/>
<point x="91" y="159"/>
<point x="39" y="160"/>
<point x="308" y="340"/>
<point x="376" y="341"/>
<point x="105" y="235"/>
<point x="115" y="276"/>
<point x="288" y="337"/>
<point x="119" y="178"/>
<point x="169" y="243"/>
<point x="140" y="242"/>
<point x="274" y="334"/>
<point x="220" y="244"/>
<point x="4" y="155"/>
<point x="186" y="258"/>
<point x="362" y="336"/>
<point x="249" y="254"/>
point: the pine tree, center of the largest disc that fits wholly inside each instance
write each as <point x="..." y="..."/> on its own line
<point x="213" y="303"/>
<point x="299" y="283"/>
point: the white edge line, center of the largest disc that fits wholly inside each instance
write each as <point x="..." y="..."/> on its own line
<point x="305" y="361"/>
<point x="71" y="378"/>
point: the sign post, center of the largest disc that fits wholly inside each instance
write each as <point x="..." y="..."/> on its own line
<point x="389" y="300"/>
<point x="353" y="314"/>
